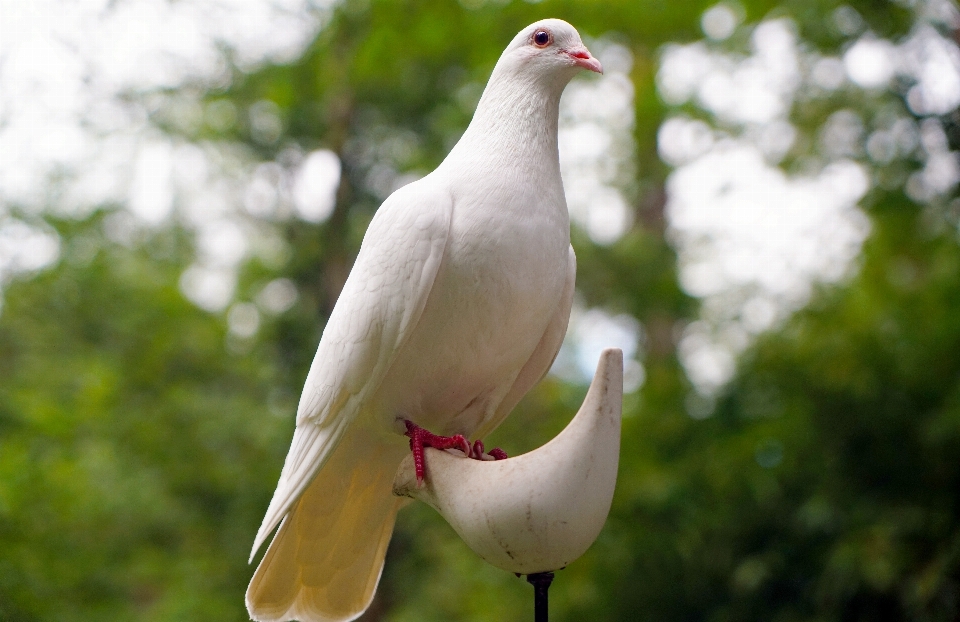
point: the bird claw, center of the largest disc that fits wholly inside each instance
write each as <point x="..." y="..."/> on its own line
<point x="480" y="454"/>
<point x="498" y="454"/>
<point x="421" y="438"/>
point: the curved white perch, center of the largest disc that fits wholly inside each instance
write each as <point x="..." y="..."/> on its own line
<point x="539" y="511"/>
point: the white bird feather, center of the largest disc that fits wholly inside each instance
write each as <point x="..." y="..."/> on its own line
<point x="456" y="306"/>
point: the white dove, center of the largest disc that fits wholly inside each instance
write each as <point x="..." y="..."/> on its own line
<point x="456" y="306"/>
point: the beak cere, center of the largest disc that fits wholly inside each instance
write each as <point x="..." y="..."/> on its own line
<point x="581" y="56"/>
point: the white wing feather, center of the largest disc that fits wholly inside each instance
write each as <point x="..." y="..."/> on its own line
<point x="380" y="304"/>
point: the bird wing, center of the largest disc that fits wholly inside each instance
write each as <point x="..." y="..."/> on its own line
<point x="379" y="306"/>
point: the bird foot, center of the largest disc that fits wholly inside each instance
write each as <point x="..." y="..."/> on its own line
<point x="478" y="452"/>
<point x="421" y="438"/>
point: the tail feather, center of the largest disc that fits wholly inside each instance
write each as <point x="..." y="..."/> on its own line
<point x="325" y="561"/>
<point x="312" y="445"/>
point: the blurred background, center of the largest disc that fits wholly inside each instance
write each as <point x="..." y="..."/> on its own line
<point x="766" y="216"/>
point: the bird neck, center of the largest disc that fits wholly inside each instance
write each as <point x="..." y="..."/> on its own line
<point x="515" y="124"/>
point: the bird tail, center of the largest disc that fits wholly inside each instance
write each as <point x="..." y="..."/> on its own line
<point x="325" y="561"/>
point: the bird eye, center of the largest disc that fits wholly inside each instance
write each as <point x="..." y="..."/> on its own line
<point x="542" y="38"/>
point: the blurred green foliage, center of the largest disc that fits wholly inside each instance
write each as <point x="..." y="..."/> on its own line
<point x="131" y="440"/>
<point x="140" y="441"/>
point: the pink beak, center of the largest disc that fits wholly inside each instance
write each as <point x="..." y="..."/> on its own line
<point x="581" y="56"/>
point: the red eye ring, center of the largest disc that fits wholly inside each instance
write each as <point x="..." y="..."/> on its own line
<point x="542" y="38"/>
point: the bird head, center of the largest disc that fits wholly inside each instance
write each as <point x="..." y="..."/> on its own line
<point x="550" y="47"/>
<point x="520" y="104"/>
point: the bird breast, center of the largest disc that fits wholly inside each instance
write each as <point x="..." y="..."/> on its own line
<point x="499" y="284"/>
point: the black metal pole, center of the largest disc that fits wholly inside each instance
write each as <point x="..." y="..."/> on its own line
<point x="541" y="583"/>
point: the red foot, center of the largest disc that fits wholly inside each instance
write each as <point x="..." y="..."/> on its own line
<point x="420" y="438"/>
<point x="498" y="453"/>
